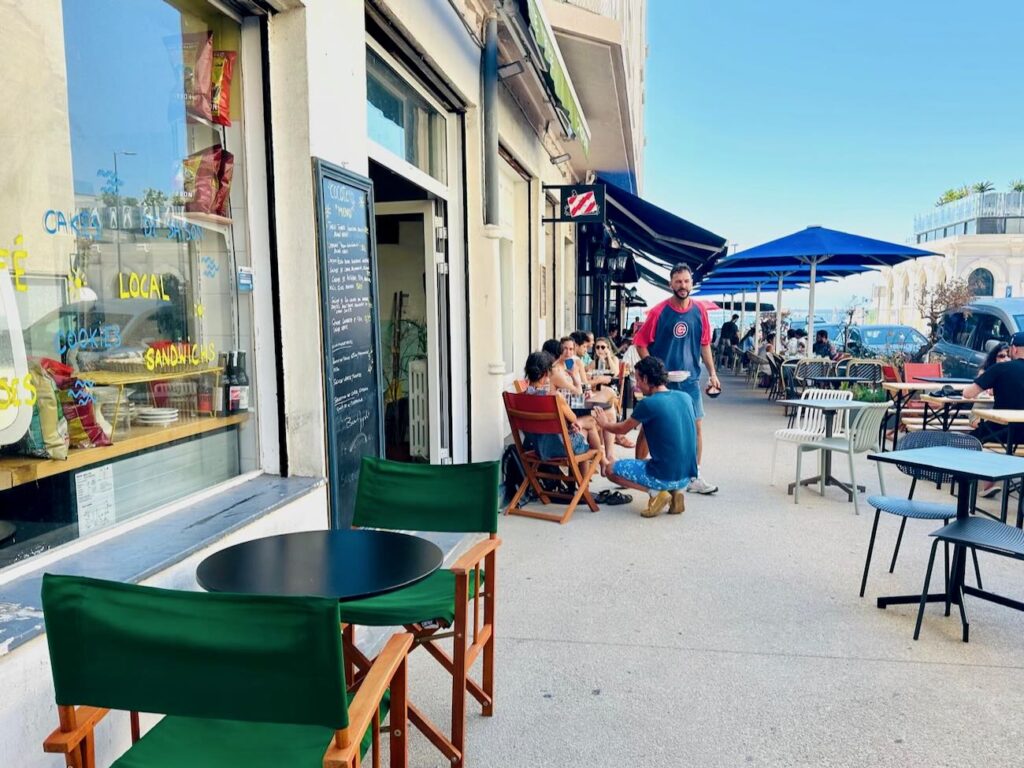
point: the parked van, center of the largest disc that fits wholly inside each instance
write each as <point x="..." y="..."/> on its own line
<point x="966" y="335"/>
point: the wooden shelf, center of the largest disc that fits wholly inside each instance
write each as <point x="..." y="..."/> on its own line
<point x="221" y="224"/>
<point x="120" y="378"/>
<point x="17" y="470"/>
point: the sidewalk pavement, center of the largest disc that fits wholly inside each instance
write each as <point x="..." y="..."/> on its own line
<point x="733" y="635"/>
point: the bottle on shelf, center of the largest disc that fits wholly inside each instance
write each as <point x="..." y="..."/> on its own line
<point x="232" y="389"/>
<point x="204" y="394"/>
<point x="220" y="395"/>
<point x="242" y="382"/>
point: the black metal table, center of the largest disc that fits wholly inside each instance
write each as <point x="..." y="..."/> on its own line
<point x="835" y="382"/>
<point x="346" y="565"/>
<point x="945" y="379"/>
<point x="829" y="408"/>
<point x="967" y="467"/>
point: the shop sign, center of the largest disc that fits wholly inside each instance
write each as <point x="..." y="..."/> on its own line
<point x="580" y="204"/>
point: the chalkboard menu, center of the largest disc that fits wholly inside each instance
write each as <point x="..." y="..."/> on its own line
<point x="348" y="301"/>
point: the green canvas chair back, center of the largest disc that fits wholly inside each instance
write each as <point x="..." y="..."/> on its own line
<point x="457" y="498"/>
<point x="196" y="654"/>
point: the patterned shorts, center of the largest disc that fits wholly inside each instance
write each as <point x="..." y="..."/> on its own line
<point x="635" y="470"/>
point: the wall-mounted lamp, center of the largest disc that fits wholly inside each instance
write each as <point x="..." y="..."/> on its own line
<point x="599" y="257"/>
<point x="513" y="68"/>
<point x="561" y="158"/>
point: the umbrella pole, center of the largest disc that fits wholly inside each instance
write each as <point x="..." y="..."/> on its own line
<point x="810" y="303"/>
<point x="757" y="316"/>
<point x="778" y="315"/>
<point x="743" y="310"/>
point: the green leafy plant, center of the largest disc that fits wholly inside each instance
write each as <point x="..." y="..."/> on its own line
<point x="1017" y="185"/>
<point x="867" y="394"/>
<point x="982" y="187"/>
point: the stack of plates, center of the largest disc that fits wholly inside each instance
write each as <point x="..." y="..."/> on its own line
<point x="156" y="417"/>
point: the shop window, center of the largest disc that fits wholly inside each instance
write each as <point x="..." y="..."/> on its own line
<point x="402" y="121"/>
<point x="122" y="236"/>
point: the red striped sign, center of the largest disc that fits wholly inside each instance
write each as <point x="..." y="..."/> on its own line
<point x="583" y="204"/>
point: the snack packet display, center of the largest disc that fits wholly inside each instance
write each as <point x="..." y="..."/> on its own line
<point x="223" y="71"/>
<point x="227" y="170"/>
<point x="201" y="179"/>
<point x="197" y="67"/>
<point x="47" y="436"/>
<point x="77" y="406"/>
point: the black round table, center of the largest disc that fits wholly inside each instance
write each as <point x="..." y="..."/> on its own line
<point x="346" y="565"/>
<point x="590" y="405"/>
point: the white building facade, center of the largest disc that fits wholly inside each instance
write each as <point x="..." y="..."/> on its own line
<point x="980" y="239"/>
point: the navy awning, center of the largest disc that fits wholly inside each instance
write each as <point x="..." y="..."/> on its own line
<point x="660" y="235"/>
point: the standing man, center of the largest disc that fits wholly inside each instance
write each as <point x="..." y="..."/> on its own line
<point x="678" y="331"/>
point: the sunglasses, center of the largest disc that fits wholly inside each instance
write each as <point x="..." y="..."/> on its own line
<point x="601" y="346"/>
<point x="1003" y="356"/>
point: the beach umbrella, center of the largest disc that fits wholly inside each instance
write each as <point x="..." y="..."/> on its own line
<point x="821" y="251"/>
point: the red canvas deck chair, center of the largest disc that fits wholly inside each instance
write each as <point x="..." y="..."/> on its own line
<point x="540" y="415"/>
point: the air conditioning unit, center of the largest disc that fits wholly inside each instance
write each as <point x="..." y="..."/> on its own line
<point x="419" y="414"/>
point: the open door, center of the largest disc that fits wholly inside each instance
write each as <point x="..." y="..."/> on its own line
<point x="413" y="291"/>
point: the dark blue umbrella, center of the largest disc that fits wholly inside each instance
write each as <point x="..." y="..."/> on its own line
<point x="819" y="251"/>
<point x="730" y="284"/>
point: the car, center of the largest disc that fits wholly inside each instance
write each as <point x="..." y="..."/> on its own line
<point x="967" y="334"/>
<point x="885" y="340"/>
<point x="870" y="341"/>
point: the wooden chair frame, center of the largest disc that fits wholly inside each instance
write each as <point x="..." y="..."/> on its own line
<point x="75" y="738"/>
<point x="570" y="469"/>
<point x="464" y="654"/>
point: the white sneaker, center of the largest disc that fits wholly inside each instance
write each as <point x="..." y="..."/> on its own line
<point x="700" y="485"/>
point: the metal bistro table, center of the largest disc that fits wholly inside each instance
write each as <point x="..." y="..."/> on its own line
<point x="829" y="408"/>
<point x="944" y="409"/>
<point x="835" y="382"/>
<point x="902" y="392"/>
<point x="1010" y="439"/>
<point x="590" y="405"/>
<point x="968" y="467"/>
<point x="344" y="565"/>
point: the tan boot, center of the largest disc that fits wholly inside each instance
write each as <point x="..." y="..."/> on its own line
<point x="657" y="504"/>
<point x="678" y="503"/>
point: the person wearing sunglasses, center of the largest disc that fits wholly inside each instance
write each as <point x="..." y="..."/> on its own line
<point x="604" y="369"/>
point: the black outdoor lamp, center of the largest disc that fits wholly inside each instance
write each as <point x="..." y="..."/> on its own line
<point x="599" y="257"/>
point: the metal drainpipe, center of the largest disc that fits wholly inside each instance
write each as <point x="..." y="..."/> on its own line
<point x="490" y="72"/>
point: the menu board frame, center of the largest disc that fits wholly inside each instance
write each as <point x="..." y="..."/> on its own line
<point x="342" y="480"/>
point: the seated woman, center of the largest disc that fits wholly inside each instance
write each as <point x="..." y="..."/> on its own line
<point x="671" y="432"/>
<point x="584" y="431"/>
<point x="604" y="370"/>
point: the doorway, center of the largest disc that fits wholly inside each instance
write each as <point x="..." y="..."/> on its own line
<point x="412" y="290"/>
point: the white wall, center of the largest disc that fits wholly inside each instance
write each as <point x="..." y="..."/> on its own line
<point x="318" y="108"/>
<point x="27" y="710"/>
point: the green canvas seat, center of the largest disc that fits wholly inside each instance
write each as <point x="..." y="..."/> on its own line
<point x="432" y="599"/>
<point x="241" y="680"/>
<point x="460" y="498"/>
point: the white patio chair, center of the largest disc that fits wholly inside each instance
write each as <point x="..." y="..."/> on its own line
<point x="809" y="424"/>
<point x="861" y="436"/>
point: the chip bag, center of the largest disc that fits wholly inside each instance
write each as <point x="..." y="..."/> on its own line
<point x="201" y="179"/>
<point x="223" y="70"/>
<point x="227" y="170"/>
<point x="47" y="436"/>
<point x="197" y="66"/>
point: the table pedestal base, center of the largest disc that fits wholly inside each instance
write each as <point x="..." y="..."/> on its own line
<point x="829" y="480"/>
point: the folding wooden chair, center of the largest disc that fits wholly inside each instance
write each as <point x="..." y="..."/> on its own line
<point x="454" y="498"/>
<point x="520" y="385"/>
<point x="242" y="680"/>
<point x="540" y="415"/>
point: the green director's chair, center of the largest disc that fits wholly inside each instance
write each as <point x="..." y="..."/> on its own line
<point x="459" y="498"/>
<point x="242" y="680"/>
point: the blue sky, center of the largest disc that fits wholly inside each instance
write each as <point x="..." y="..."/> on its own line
<point x="765" y="117"/>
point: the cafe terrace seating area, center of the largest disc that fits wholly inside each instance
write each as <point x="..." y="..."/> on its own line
<point x="749" y="630"/>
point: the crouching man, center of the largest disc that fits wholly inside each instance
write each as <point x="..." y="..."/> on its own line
<point x="671" y="434"/>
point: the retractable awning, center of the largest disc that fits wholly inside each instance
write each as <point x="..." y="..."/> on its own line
<point x="659" y="235"/>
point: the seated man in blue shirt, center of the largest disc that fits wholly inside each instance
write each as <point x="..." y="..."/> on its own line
<point x="670" y="428"/>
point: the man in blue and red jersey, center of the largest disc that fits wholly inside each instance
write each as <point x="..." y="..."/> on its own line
<point x="678" y="331"/>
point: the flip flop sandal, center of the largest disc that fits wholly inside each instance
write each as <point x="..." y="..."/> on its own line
<point x="602" y="496"/>
<point x="615" y="498"/>
<point x="625" y="442"/>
